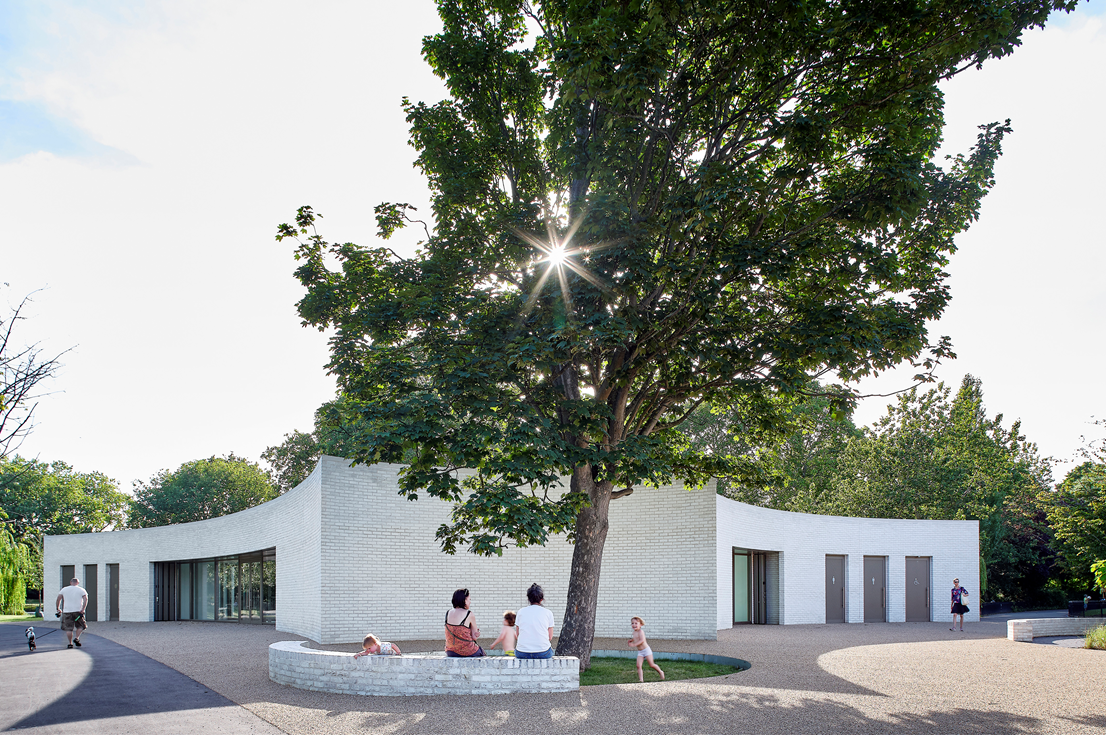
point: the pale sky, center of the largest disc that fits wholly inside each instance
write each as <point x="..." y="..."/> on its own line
<point x="148" y="151"/>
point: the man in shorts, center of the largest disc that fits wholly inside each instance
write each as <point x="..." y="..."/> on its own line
<point x="71" y="604"/>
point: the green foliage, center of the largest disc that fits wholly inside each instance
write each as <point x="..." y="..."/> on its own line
<point x="748" y="203"/>
<point x="46" y="499"/>
<point x="744" y="197"/>
<point x="198" y="490"/>
<point x="938" y="457"/>
<point x="796" y="459"/>
<point x="14" y="561"/>
<point x="1096" y="638"/>
<point x="291" y="461"/>
<point x="1076" y="511"/>
<point x="1098" y="569"/>
<point x="336" y="432"/>
<point x="42" y="499"/>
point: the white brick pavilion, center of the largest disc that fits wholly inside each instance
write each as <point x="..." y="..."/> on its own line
<point x="343" y="554"/>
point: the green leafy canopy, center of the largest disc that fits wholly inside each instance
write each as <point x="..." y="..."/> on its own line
<point x="747" y="196"/>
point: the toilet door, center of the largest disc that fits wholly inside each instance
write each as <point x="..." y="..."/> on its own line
<point x="835" y="589"/>
<point x="875" y="589"/>
<point x="917" y="589"/>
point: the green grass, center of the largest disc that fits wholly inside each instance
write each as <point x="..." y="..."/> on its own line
<point x="1096" y="638"/>
<point x="11" y="618"/>
<point x="624" y="671"/>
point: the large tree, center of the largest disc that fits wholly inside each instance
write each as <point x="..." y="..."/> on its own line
<point x="198" y="490"/>
<point x="639" y="208"/>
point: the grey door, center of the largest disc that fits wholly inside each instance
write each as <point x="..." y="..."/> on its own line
<point x="91" y="586"/>
<point x="875" y="589"/>
<point x="113" y="591"/>
<point x="68" y="571"/>
<point x="760" y="589"/>
<point x="835" y="589"/>
<point x="917" y="589"/>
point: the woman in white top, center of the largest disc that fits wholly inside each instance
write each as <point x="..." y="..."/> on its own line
<point x="535" y="627"/>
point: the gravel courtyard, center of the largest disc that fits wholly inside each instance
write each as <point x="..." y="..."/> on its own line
<point x="886" y="678"/>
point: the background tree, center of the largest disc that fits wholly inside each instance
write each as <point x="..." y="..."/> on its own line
<point x="336" y="430"/>
<point x="797" y="459"/>
<point x="938" y="457"/>
<point x="40" y="499"/>
<point x="647" y="207"/>
<point x="23" y="370"/>
<point x="197" y="490"/>
<point x="1076" y="512"/>
<point x="14" y="562"/>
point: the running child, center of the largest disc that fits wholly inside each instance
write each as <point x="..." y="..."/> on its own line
<point x="508" y="634"/>
<point x="373" y="646"/>
<point x="643" y="650"/>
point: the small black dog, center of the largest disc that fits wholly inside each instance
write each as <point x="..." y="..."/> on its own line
<point x="31" y="639"/>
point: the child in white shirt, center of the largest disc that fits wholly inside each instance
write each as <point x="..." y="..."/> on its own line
<point x="373" y="646"/>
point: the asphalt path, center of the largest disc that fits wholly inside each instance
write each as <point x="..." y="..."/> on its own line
<point x="104" y="687"/>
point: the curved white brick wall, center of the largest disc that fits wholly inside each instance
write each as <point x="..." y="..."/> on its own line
<point x="803" y="540"/>
<point x="413" y="674"/>
<point x="353" y="557"/>
<point x="291" y="523"/>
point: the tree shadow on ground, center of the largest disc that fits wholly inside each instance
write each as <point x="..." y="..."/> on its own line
<point x="659" y="711"/>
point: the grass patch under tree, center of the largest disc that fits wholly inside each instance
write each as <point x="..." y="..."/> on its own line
<point x="624" y="671"/>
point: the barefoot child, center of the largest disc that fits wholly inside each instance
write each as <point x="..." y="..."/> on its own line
<point x="643" y="649"/>
<point x="508" y="634"/>
<point x="373" y="646"/>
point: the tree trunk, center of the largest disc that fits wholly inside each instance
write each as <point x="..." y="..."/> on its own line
<point x="578" y="629"/>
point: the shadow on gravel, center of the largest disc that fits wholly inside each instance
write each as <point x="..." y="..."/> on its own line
<point x="658" y="711"/>
<point x="1098" y="721"/>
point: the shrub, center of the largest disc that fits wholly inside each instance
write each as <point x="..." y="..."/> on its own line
<point x="1096" y="638"/>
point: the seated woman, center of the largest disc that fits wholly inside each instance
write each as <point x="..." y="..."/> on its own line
<point x="460" y="629"/>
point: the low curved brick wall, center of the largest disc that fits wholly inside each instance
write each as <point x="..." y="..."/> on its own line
<point x="420" y="673"/>
<point x="1027" y="629"/>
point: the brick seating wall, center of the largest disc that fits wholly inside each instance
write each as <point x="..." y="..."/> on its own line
<point x="418" y="674"/>
<point x="1027" y="629"/>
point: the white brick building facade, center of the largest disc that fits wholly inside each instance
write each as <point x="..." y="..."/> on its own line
<point x="352" y="556"/>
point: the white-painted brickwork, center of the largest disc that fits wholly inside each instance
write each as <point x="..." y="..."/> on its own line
<point x="418" y="674"/>
<point x="804" y="540"/>
<point x="354" y="557"/>
<point x="1027" y="629"/>
<point x="383" y="571"/>
<point x="290" y="523"/>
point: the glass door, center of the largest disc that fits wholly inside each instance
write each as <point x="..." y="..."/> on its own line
<point x="250" y="576"/>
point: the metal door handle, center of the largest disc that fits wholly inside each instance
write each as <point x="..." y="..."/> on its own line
<point x="883" y="597"/>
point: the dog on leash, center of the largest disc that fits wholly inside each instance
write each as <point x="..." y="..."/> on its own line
<point x="31" y="639"/>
